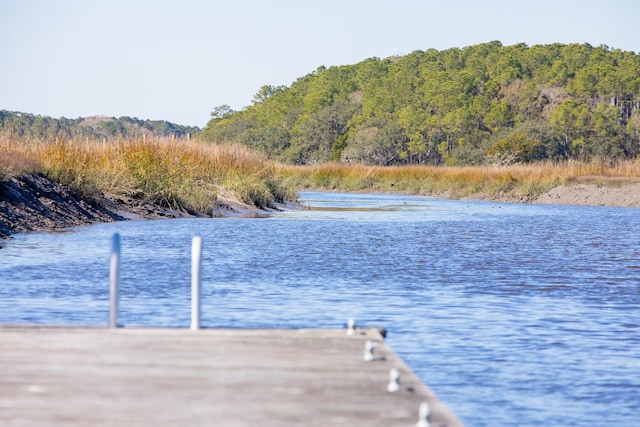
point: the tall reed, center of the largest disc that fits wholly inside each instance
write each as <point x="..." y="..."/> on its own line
<point x="16" y="159"/>
<point x="186" y="175"/>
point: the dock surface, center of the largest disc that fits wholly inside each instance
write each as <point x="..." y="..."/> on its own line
<point x="209" y="377"/>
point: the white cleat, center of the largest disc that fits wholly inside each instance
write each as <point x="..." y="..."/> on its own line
<point x="394" y="381"/>
<point x="351" y="327"/>
<point x="424" y="415"/>
<point x="368" y="351"/>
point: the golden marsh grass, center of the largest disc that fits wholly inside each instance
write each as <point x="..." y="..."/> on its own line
<point x="192" y="175"/>
<point x="517" y="181"/>
<point x="185" y="175"/>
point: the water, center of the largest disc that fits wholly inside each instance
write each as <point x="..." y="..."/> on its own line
<point x="515" y="314"/>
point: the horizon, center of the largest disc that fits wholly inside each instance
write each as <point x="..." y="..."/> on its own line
<point x="156" y="61"/>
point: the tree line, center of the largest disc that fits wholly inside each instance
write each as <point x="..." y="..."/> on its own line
<point x="24" y="125"/>
<point x="482" y="104"/>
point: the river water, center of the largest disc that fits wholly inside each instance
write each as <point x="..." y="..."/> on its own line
<point x="514" y="314"/>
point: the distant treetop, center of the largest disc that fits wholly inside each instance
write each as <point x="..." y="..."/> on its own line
<point x="43" y="127"/>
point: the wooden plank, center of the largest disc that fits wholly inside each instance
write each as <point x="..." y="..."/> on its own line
<point x="209" y="377"/>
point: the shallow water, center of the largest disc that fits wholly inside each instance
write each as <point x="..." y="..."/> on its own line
<point x="515" y="314"/>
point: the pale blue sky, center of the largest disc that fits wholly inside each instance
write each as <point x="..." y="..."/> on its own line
<point x="178" y="60"/>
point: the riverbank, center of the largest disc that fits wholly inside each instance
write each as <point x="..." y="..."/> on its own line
<point x="34" y="203"/>
<point x="614" y="194"/>
<point x="625" y="194"/>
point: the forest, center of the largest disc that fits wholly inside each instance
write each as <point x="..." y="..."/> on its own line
<point x="486" y="104"/>
<point x="24" y="125"/>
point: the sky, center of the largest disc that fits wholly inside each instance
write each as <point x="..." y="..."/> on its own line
<point x="178" y="60"/>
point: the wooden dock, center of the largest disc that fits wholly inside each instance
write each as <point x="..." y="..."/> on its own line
<point x="208" y="377"/>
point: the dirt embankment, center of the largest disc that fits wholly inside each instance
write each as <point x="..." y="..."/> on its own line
<point x="32" y="203"/>
<point x="611" y="194"/>
<point x="582" y="191"/>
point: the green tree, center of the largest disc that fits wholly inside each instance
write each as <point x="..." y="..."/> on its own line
<point x="267" y="91"/>
<point x="570" y="120"/>
<point x="378" y="143"/>
<point x="321" y="133"/>
<point x="606" y="128"/>
<point x="500" y="115"/>
<point x="449" y="106"/>
<point x="632" y="130"/>
<point x="516" y="148"/>
<point x="222" y="112"/>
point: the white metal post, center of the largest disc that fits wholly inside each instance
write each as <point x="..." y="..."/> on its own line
<point x="196" y="263"/>
<point x="114" y="281"/>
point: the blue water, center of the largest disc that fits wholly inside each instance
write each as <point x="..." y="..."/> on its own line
<point x="514" y="314"/>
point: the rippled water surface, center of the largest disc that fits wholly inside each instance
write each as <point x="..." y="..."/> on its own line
<point x="515" y="314"/>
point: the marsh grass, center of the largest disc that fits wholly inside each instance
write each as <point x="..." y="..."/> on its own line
<point x="523" y="182"/>
<point x="182" y="175"/>
<point x="17" y="159"/>
<point x="193" y="175"/>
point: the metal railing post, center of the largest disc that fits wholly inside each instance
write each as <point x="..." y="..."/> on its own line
<point x="196" y="263"/>
<point x="114" y="281"/>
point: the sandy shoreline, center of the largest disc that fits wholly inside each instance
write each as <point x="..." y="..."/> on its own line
<point x="618" y="195"/>
<point x="33" y="203"/>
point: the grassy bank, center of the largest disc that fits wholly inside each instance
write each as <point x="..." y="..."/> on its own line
<point x="183" y="175"/>
<point x="517" y="182"/>
<point x="193" y="175"/>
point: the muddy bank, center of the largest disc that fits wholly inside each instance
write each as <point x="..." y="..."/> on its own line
<point x="34" y="203"/>
<point x="613" y="194"/>
<point x="577" y="194"/>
